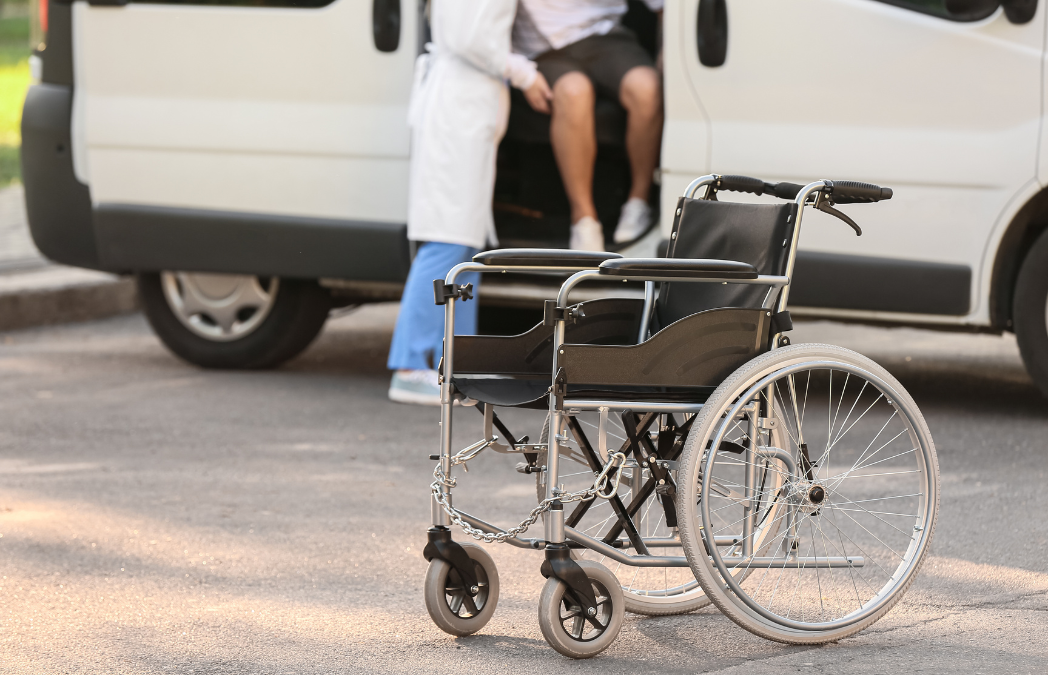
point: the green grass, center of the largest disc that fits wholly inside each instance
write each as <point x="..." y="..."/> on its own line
<point x="14" y="81"/>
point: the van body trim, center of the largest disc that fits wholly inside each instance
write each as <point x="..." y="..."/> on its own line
<point x="832" y="280"/>
<point x="141" y="238"/>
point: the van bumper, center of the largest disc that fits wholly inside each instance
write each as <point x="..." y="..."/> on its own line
<point x="58" y="205"/>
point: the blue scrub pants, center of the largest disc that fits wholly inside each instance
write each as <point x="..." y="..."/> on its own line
<point x="418" y="340"/>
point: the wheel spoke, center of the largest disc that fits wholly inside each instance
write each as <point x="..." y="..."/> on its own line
<point x="578" y="624"/>
<point x="835" y="546"/>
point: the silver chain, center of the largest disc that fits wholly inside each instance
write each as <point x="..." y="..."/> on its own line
<point x="600" y="483"/>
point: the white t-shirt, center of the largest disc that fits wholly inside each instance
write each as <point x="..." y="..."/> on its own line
<point x="542" y="25"/>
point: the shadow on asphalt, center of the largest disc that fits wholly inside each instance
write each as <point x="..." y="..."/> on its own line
<point x="981" y="388"/>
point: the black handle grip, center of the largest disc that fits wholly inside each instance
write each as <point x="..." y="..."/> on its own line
<point x="758" y="187"/>
<point x="741" y="184"/>
<point x="853" y="192"/>
<point x="784" y="190"/>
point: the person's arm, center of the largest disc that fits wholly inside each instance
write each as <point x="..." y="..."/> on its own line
<point x="523" y="74"/>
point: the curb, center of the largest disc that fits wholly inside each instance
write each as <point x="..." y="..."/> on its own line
<point x="53" y="295"/>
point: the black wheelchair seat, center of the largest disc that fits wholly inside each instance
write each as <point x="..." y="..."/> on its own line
<point x="701" y="332"/>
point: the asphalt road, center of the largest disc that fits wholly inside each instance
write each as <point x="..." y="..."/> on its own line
<point x="156" y="518"/>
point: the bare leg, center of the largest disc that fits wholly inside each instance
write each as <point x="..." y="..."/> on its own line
<point x="641" y="95"/>
<point x="574" y="139"/>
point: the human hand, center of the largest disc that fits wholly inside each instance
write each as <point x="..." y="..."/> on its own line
<point x="539" y="94"/>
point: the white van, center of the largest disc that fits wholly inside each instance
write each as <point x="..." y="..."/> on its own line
<point x="249" y="163"/>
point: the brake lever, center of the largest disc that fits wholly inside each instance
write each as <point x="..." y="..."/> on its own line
<point x="825" y="207"/>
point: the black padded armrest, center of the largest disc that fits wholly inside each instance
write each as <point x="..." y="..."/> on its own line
<point x="543" y="257"/>
<point x="695" y="268"/>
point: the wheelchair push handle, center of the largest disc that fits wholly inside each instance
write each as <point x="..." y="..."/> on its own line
<point x="758" y="187"/>
<point x="853" y="192"/>
<point x="741" y="184"/>
<point x="840" y="191"/>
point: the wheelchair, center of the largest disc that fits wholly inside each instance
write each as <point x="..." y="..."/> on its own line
<point x="689" y="454"/>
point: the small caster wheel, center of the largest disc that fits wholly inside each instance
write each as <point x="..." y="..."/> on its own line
<point x="567" y="629"/>
<point x="450" y="606"/>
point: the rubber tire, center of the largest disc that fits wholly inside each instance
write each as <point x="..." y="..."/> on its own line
<point x="695" y="548"/>
<point x="549" y="614"/>
<point x="1028" y="312"/>
<point x="436" y="602"/>
<point x="299" y="312"/>
<point x="634" y="604"/>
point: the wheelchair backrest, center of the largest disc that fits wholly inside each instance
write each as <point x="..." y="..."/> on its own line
<point x="758" y="234"/>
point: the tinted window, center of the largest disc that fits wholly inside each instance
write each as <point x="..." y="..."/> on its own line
<point x="938" y="8"/>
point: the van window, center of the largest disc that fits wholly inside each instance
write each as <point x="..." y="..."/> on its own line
<point x="938" y="8"/>
<point x="304" y="4"/>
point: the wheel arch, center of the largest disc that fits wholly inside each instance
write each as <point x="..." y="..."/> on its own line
<point x="1025" y="227"/>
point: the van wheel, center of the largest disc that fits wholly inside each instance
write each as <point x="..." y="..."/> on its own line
<point x="1030" y="312"/>
<point x="233" y="321"/>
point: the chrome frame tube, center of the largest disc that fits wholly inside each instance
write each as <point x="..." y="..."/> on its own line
<point x="638" y="406"/>
<point x="649" y="304"/>
<point x="750" y="484"/>
<point x="440" y="517"/>
<point x="577" y="278"/>
<point x="624" y="558"/>
<point x="554" y="520"/>
<point x="693" y="187"/>
<point x="802" y="198"/>
<point x="765" y="563"/>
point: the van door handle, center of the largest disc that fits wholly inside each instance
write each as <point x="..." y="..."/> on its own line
<point x="711" y="32"/>
<point x="385" y="24"/>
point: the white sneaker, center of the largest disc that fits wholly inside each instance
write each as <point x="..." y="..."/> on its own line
<point x="587" y="235"/>
<point x="633" y="221"/>
<point x="418" y="387"/>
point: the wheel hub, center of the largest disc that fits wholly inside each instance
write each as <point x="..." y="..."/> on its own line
<point x="219" y="307"/>
<point x="809" y="496"/>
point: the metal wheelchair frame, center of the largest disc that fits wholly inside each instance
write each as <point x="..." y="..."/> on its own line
<point x="555" y="530"/>
<point x="559" y="537"/>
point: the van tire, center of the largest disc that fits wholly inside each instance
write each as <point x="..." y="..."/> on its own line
<point x="1030" y="312"/>
<point x="295" y="318"/>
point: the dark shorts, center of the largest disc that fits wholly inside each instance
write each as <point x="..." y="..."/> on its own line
<point x="605" y="59"/>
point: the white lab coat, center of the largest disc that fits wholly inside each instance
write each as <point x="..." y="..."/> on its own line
<point x="458" y="113"/>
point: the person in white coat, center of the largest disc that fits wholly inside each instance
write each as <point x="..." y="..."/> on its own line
<point x="458" y="113"/>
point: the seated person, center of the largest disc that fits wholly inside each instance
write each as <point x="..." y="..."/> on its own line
<point x="582" y="50"/>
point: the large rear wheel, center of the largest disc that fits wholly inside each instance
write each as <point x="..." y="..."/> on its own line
<point x="856" y="503"/>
